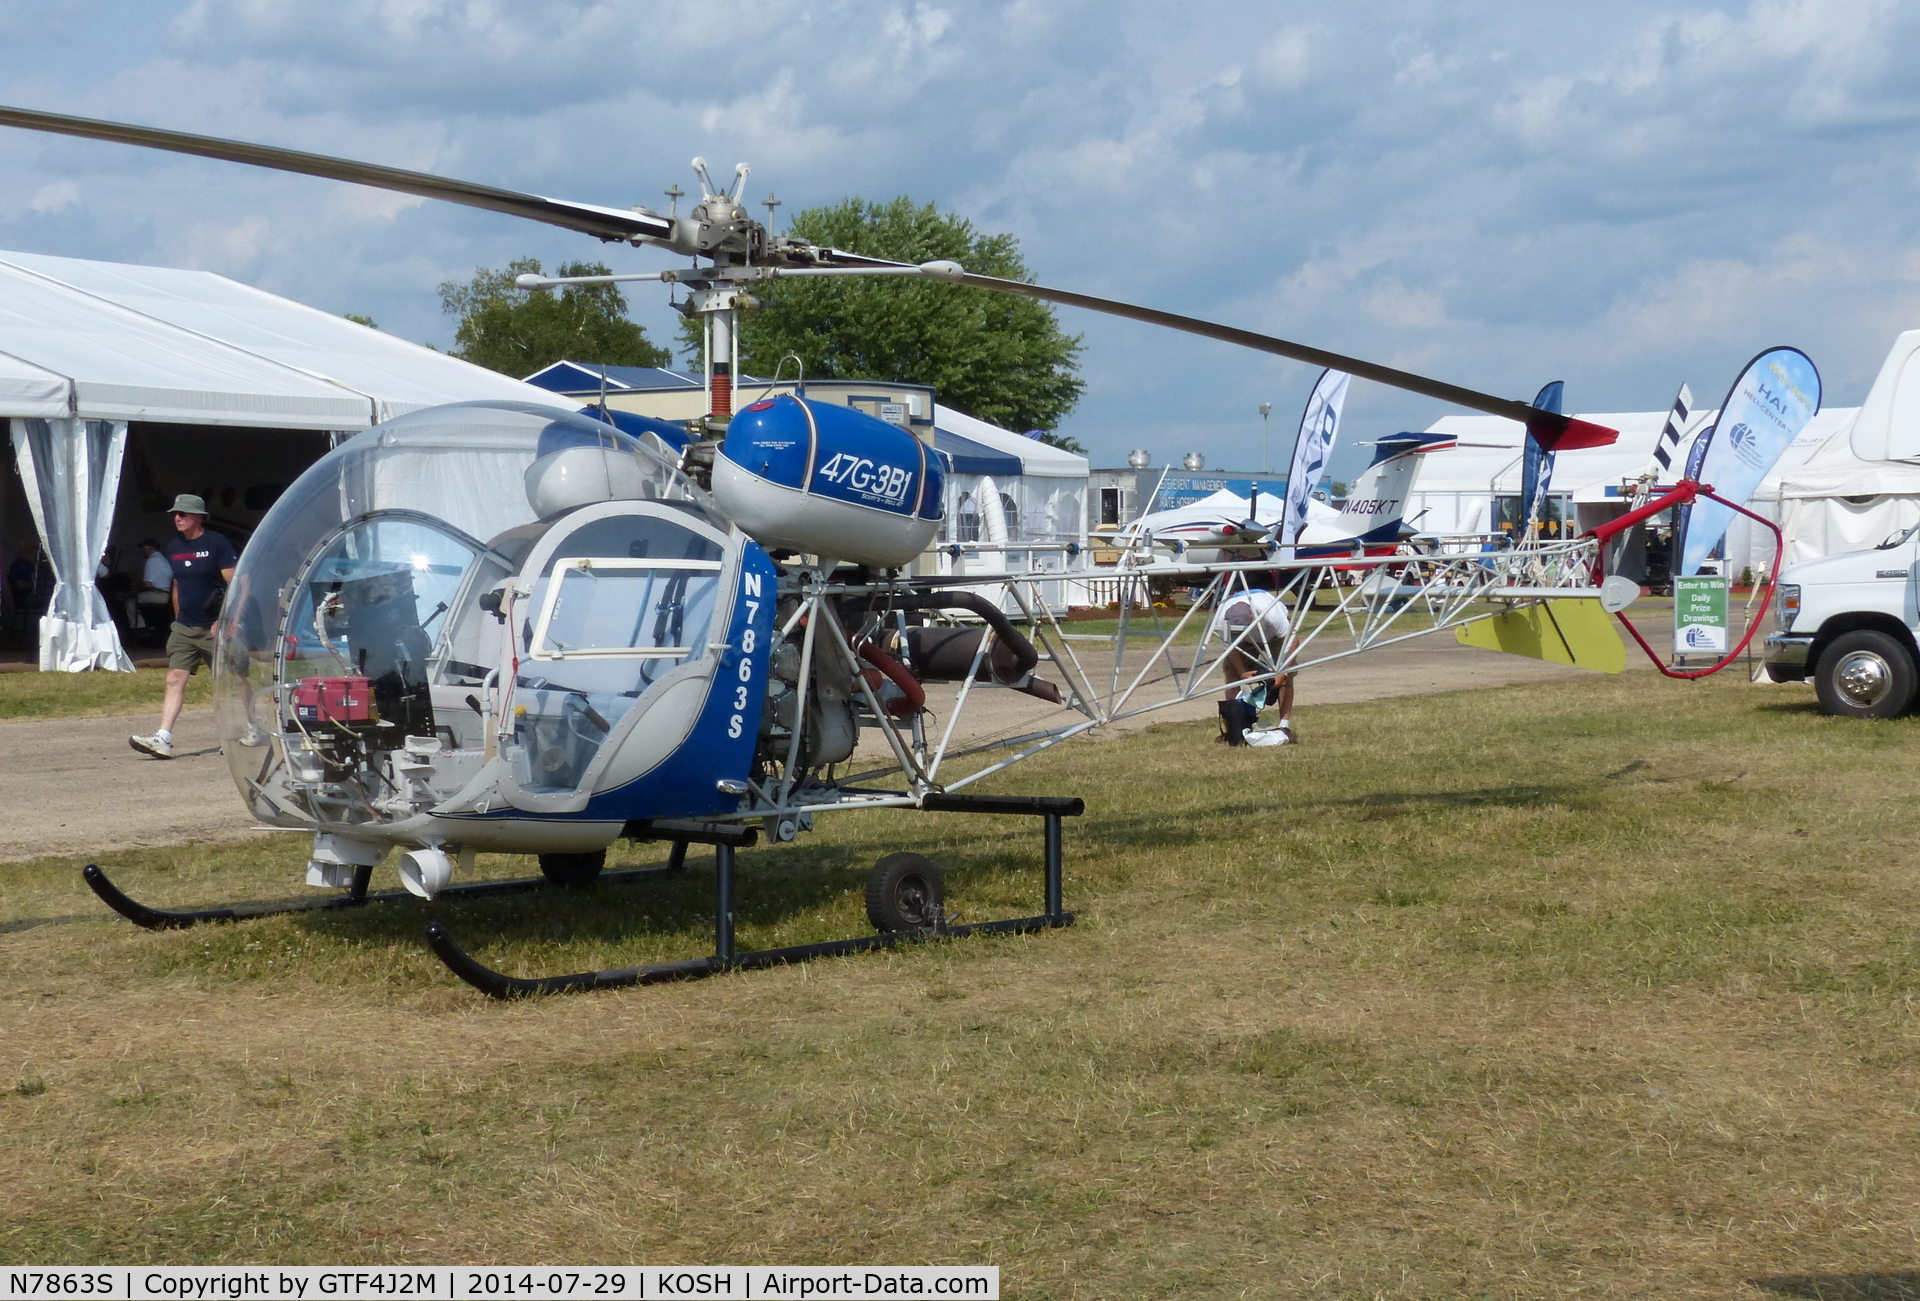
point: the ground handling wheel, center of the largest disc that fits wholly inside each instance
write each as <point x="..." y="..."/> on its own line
<point x="904" y="893"/>
<point x="573" y="871"/>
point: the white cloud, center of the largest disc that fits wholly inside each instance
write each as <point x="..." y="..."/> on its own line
<point x="1284" y="61"/>
<point x="1495" y="192"/>
<point x="54" y="198"/>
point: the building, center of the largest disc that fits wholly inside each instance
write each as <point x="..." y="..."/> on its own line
<point x="1118" y="496"/>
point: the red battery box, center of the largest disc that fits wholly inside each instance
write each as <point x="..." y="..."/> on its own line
<point x="332" y="700"/>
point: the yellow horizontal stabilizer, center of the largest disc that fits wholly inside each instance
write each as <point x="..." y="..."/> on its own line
<point x="1574" y="631"/>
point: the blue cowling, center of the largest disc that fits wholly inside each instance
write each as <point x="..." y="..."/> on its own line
<point x="836" y="454"/>
<point x="634" y="424"/>
<point x="829" y="480"/>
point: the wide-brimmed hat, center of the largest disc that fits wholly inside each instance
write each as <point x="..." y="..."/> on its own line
<point x="188" y="504"/>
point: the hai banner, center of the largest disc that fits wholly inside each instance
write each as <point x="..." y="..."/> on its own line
<point x="1768" y="406"/>
<point x="1536" y="466"/>
<point x="1318" y="424"/>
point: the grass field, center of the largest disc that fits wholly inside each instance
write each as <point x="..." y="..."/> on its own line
<point x="1602" y="988"/>
<point x="81" y="695"/>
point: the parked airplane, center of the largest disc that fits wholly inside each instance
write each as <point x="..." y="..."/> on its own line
<point x="1368" y="521"/>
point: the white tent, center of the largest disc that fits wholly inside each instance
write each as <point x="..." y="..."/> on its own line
<point x="1458" y="490"/>
<point x="1847" y="495"/>
<point x="1458" y="487"/>
<point x="1041" y="489"/>
<point x="86" y="348"/>
<point x="1838" y="502"/>
<point x="1012" y="502"/>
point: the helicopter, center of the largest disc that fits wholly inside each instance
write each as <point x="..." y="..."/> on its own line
<point x="488" y="627"/>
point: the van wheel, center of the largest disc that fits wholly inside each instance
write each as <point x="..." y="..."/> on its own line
<point x="572" y="871"/>
<point x="1865" y="674"/>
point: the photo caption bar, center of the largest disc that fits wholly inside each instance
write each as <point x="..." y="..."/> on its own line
<point x="499" y="1283"/>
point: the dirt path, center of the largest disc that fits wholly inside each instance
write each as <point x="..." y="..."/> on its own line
<point x="74" y="787"/>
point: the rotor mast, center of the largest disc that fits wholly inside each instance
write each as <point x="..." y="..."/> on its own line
<point x="731" y="238"/>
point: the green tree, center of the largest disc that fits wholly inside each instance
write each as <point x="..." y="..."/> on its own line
<point x="517" y="331"/>
<point x="995" y="356"/>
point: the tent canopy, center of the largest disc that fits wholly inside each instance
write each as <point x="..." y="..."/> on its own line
<point x="1836" y="501"/>
<point x="1033" y="456"/>
<point x="1834" y="471"/>
<point x="970" y="457"/>
<point x="112" y="341"/>
<point x="1487" y="460"/>
<point x="86" y="348"/>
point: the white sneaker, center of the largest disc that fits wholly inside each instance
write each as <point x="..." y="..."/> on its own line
<point x="254" y="737"/>
<point x="157" y="746"/>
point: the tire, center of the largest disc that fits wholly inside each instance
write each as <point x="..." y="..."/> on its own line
<point x="1865" y="674"/>
<point x="572" y="871"/>
<point x="904" y="893"/>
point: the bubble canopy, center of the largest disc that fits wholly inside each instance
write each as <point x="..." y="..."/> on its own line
<point x="408" y="515"/>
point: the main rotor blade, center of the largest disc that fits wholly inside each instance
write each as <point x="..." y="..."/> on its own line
<point x="607" y="223"/>
<point x="1553" y="430"/>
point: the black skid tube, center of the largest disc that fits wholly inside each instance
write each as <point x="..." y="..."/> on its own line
<point x="497" y="984"/>
<point x="725" y="840"/>
<point x="162" y="919"/>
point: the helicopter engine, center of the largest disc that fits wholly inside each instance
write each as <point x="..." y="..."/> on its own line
<point x="828" y="726"/>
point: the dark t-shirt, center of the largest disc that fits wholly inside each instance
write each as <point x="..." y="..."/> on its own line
<point x="197" y="566"/>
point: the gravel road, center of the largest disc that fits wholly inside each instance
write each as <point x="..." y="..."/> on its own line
<point x="74" y="787"/>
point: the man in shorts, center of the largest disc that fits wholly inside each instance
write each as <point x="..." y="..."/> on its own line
<point x="1257" y="625"/>
<point x="203" y="564"/>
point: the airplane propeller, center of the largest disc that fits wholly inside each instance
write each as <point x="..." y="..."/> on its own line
<point x="720" y="228"/>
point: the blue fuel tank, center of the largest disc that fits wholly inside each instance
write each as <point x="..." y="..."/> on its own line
<point x="825" y="479"/>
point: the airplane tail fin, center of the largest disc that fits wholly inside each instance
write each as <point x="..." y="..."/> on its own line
<point x="1378" y="499"/>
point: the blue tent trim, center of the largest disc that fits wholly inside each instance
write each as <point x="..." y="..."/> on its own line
<point x="970" y="457"/>
<point x="575" y="378"/>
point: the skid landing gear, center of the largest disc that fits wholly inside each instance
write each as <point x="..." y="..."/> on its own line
<point x="907" y="885"/>
<point x="356" y="896"/>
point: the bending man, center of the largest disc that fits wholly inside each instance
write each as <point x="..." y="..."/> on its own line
<point x="1257" y="627"/>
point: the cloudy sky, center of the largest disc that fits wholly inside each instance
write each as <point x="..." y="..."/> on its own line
<point x="1498" y="193"/>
